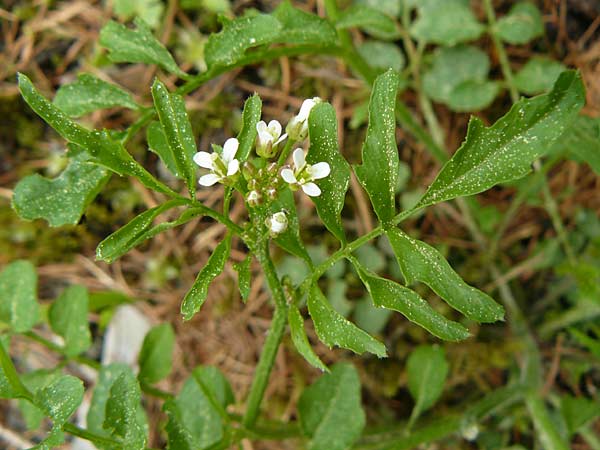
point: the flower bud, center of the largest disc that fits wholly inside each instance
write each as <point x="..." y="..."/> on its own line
<point x="253" y="198"/>
<point x="297" y="127"/>
<point x="268" y="138"/>
<point x="277" y="223"/>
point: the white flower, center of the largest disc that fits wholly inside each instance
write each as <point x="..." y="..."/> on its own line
<point x="268" y="139"/>
<point x="297" y="127"/>
<point x="221" y="166"/>
<point x="277" y="223"/>
<point x="304" y="174"/>
<point x="253" y="198"/>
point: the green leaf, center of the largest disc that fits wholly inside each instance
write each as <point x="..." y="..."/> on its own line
<point x="150" y="11"/>
<point x="60" y="398"/>
<point x="34" y="381"/>
<point x="132" y="234"/>
<point x="371" y="20"/>
<point x="382" y="55"/>
<point x="157" y="143"/>
<point x="177" y="131"/>
<point x="18" y="296"/>
<point x="290" y="239"/>
<point x="379" y="172"/>
<point x="390" y="7"/>
<point x="244" y="276"/>
<point x="421" y="262"/>
<point x="63" y="200"/>
<point x="388" y="294"/>
<point x="8" y="373"/>
<point x="156" y="356"/>
<point x="324" y="147"/>
<point x="137" y="46"/>
<point x="122" y="419"/>
<point x="247" y="135"/>
<point x="196" y="296"/>
<point x="301" y="341"/>
<point x="581" y="142"/>
<point x="88" y="94"/>
<point x="196" y="415"/>
<point x="102" y="149"/>
<point x="427" y="370"/>
<point x="578" y="411"/>
<point x="538" y="75"/>
<point x="300" y="27"/>
<point x="229" y="45"/>
<point x="522" y="24"/>
<point x="333" y="329"/>
<point x="68" y="318"/>
<point x="506" y="150"/>
<point x="330" y="410"/>
<point x="445" y="22"/>
<point x="473" y="95"/>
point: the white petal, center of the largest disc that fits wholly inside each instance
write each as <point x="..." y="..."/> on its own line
<point x="311" y="189"/>
<point x="261" y="126"/>
<point x="264" y="137"/>
<point x="298" y="157"/>
<point x="281" y="139"/>
<point x="204" y="159"/>
<point x="320" y="170"/>
<point x="307" y="105"/>
<point x="274" y="128"/>
<point x="209" y="179"/>
<point x="233" y="167"/>
<point x="230" y="148"/>
<point x="288" y="176"/>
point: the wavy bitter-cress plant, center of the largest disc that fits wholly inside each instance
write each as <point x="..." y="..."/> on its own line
<point x="266" y="166"/>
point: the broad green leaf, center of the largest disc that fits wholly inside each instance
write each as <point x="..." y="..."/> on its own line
<point x="64" y="199"/>
<point x="156" y="356"/>
<point x="300" y="27"/>
<point x="427" y="370"/>
<point x="137" y="46"/>
<point x="121" y="417"/>
<point x="421" y="262"/>
<point x="388" y="294"/>
<point x="330" y="410"/>
<point x="247" y="135"/>
<point x="229" y="45"/>
<point x="132" y="234"/>
<point x="157" y="143"/>
<point x="379" y="172"/>
<point x="18" y="296"/>
<point x="68" y="318"/>
<point x="301" y="341"/>
<point x="195" y="415"/>
<point x="390" y="7"/>
<point x="244" y="276"/>
<point x="522" y="24"/>
<point x="88" y="94"/>
<point x="473" y="95"/>
<point x="60" y="398"/>
<point x="178" y="132"/>
<point x="538" y="75"/>
<point x="333" y="329"/>
<point x="382" y="55"/>
<point x="445" y="22"/>
<point x="150" y="11"/>
<point x="506" y="150"/>
<point x="196" y="296"/>
<point x="578" y="411"/>
<point x="33" y="381"/>
<point x="102" y="149"/>
<point x="581" y="142"/>
<point x="371" y="20"/>
<point x="322" y="127"/>
<point x="290" y="239"/>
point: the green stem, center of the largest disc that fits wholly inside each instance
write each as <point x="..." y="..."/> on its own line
<point x="89" y="436"/>
<point x="10" y="372"/>
<point x="285" y="152"/>
<point x="269" y="351"/>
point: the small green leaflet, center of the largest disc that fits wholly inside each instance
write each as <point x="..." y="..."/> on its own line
<point x="371" y="20"/>
<point x="421" y="262"/>
<point x="18" y="296"/>
<point x="300" y="340"/>
<point x="522" y="24"/>
<point x="388" y="294"/>
<point x="330" y="410"/>
<point x="290" y="239"/>
<point x="178" y="132"/>
<point x="132" y="234"/>
<point x="157" y="143"/>
<point x="68" y="318"/>
<point x="137" y="46"/>
<point x="121" y="419"/>
<point x="383" y="56"/>
<point x="196" y="415"/>
<point x="244" y="276"/>
<point x="150" y="11"/>
<point x="33" y="381"/>
<point x="538" y="75"/>
<point x="64" y="199"/>
<point x="427" y="370"/>
<point x="89" y="94"/>
<point x="196" y="296"/>
<point x="247" y="135"/>
<point x="156" y="356"/>
<point x="322" y="128"/>
<point x="506" y="150"/>
<point x="445" y="22"/>
<point x="333" y="329"/>
<point x="379" y="172"/>
<point x="299" y="27"/>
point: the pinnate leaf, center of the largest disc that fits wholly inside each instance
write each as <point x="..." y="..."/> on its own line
<point x="18" y="296"/>
<point x="300" y="340"/>
<point x="333" y="329"/>
<point x="522" y="24"/>
<point x="68" y="318"/>
<point x="156" y="356"/>
<point x="330" y="410"/>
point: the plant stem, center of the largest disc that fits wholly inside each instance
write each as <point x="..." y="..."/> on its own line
<point x="269" y="351"/>
<point x="285" y="152"/>
<point x="89" y="436"/>
<point x="10" y="372"/>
